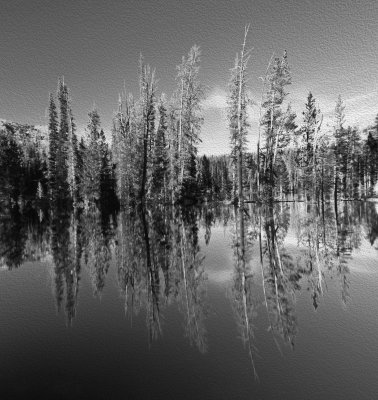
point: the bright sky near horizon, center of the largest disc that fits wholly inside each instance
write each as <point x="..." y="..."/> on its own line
<point x="332" y="49"/>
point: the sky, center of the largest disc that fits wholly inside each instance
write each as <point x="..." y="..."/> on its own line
<point x="332" y="49"/>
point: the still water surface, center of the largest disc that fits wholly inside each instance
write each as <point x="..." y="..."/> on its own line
<point x="276" y="302"/>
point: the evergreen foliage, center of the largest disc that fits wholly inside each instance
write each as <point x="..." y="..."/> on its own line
<point x="92" y="160"/>
<point x="53" y="147"/>
<point x="187" y="99"/>
<point x="278" y="124"/>
<point x="160" y="167"/>
<point x="153" y="156"/>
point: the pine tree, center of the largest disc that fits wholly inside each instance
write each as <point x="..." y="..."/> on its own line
<point x="92" y="159"/>
<point x="189" y="95"/>
<point x="53" y="147"/>
<point x="160" y="164"/>
<point x="79" y="157"/>
<point x="147" y="87"/>
<point x="308" y="141"/>
<point x="125" y="152"/>
<point x="308" y="130"/>
<point x="205" y="178"/>
<point x="354" y="163"/>
<point x="107" y="189"/>
<point x="237" y="117"/>
<point x="62" y="154"/>
<point x="174" y="166"/>
<point x="65" y="164"/>
<point x="71" y="158"/>
<point x="371" y="151"/>
<point x="340" y="149"/>
<point x="277" y="124"/>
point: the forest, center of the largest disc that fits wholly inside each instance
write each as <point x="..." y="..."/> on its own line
<point x="153" y="155"/>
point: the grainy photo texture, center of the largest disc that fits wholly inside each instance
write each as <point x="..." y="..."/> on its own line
<point x="189" y="199"/>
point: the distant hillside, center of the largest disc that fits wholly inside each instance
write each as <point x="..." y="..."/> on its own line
<point x="23" y="161"/>
<point x="30" y="138"/>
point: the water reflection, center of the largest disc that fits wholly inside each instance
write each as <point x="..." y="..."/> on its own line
<point x="96" y="241"/>
<point x="158" y="261"/>
<point x="66" y="248"/>
<point x="24" y="235"/>
<point x="278" y="250"/>
<point x="295" y="246"/>
<point x="243" y="290"/>
<point x="281" y="274"/>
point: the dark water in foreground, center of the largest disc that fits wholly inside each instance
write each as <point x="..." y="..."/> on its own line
<point x="272" y="303"/>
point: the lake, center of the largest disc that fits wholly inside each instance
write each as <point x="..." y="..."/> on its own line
<point x="271" y="302"/>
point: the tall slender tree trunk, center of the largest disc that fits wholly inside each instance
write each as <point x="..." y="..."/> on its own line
<point x="240" y="132"/>
<point x="144" y="166"/>
<point x="259" y="134"/>
<point x="335" y="188"/>
<point x="71" y="160"/>
<point x="322" y="183"/>
<point x="180" y="130"/>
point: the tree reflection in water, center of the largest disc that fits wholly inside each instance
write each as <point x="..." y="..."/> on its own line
<point x="325" y="236"/>
<point x="96" y="235"/>
<point x="24" y="235"/>
<point x="162" y="244"/>
<point x="278" y="249"/>
<point x="66" y="251"/>
<point x="243" y="290"/>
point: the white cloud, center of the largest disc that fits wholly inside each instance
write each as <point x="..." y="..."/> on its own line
<point x="360" y="109"/>
<point x="217" y="99"/>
